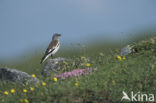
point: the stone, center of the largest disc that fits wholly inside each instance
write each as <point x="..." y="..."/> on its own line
<point x="16" y="76"/>
<point x="52" y="66"/>
<point x="126" y="50"/>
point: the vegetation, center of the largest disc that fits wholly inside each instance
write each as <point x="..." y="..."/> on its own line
<point x="105" y="84"/>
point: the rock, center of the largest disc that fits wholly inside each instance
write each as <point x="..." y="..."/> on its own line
<point x="126" y="50"/>
<point x="52" y="66"/>
<point x="16" y="76"/>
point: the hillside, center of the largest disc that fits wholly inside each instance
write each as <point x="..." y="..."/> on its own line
<point x="109" y="78"/>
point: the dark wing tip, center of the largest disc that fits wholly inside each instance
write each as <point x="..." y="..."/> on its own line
<point x="41" y="62"/>
<point x="42" y="59"/>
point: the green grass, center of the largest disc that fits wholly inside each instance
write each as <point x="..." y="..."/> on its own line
<point x="105" y="85"/>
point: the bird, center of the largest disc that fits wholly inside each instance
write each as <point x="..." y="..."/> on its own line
<point x="53" y="47"/>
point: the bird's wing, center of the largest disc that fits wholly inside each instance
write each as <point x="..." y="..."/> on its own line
<point x="51" y="47"/>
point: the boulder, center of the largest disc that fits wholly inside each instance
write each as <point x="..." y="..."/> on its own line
<point x="52" y="65"/>
<point x="126" y="50"/>
<point x="16" y="76"/>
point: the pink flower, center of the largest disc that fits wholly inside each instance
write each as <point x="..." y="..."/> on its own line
<point x="75" y="73"/>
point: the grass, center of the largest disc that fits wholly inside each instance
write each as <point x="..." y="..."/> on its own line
<point x="105" y="85"/>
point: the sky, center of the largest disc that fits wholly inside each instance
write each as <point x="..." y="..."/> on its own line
<point x="29" y="24"/>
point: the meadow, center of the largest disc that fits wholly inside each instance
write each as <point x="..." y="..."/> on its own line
<point x="110" y="76"/>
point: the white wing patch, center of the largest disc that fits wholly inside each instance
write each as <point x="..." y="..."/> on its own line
<point x="56" y="49"/>
<point x="49" y="50"/>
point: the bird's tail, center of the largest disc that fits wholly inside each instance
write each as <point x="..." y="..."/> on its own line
<point x="43" y="59"/>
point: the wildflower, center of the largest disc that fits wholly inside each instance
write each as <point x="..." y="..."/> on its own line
<point x="12" y="90"/>
<point x="88" y="65"/>
<point x="119" y="57"/>
<point x="31" y="88"/>
<point x="76" y="83"/>
<point x="55" y="79"/>
<point x="83" y="57"/>
<point x="76" y="72"/>
<point x="26" y="101"/>
<point x="95" y="69"/>
<point x="5" y="92"/>
<point x="24" y="90"/>
<point x="123" y="58"/>
<point x="33" y="75"/>
<point x="44" y="84"/>
<point x="101" y="54"/>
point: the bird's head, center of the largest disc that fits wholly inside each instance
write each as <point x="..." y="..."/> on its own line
<point x="55" y="36"/>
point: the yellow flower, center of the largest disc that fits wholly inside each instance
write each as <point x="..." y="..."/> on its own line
<point x="31" y="88"/>
<point x="5" y="92"/>
<point x="76" y="83"/>
<point x="83" y="57"/>
<point x="24" y="90"/>
<point x="55" y="79"/>
<point x="123" y="58"/>
<point x="88" y="65"/>
<point x="101" y="54"/>
<point x="119" y="57"/>
<point x="26" y="101"/>
<point x="12" y="90"/>
<point x="33" y="75"/>
<point x="44" y="84"/>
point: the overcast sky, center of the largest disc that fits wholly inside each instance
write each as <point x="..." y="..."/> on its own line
<point x="25" y="24"/>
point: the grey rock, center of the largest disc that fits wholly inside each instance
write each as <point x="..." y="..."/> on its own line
<point x="126" y="50"/>
<point x="16" y="76"/>
<point x="52" y="66"/>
